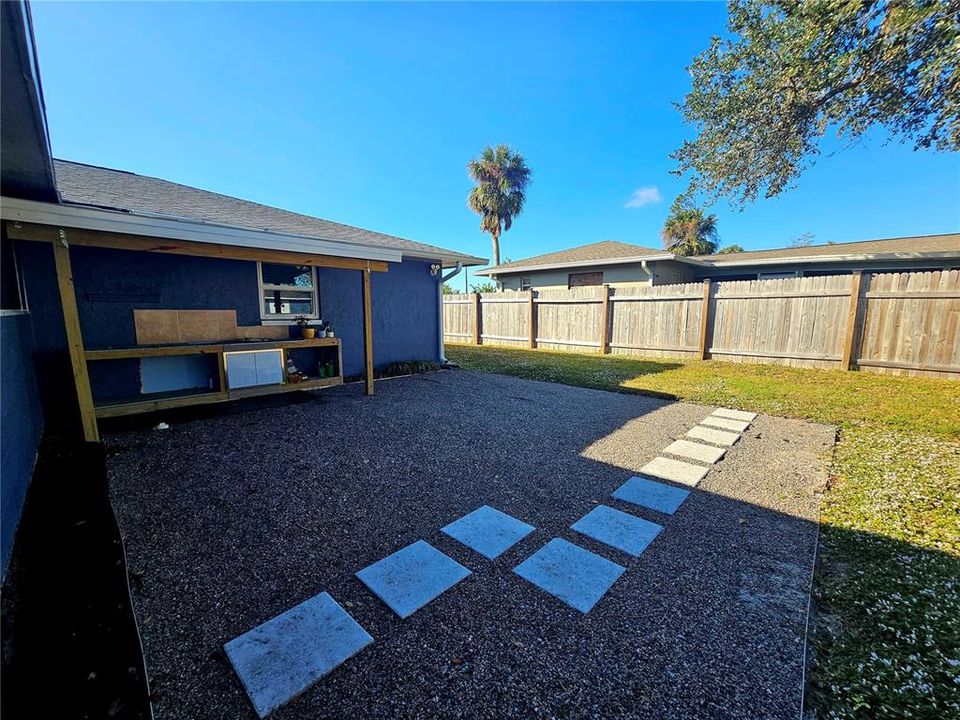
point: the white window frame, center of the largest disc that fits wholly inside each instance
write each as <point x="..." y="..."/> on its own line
<point x="288" y="319"/>
<point x="526" y="282"/>
<point x="778" y="275"/>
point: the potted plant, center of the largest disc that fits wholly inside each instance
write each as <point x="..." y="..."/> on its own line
<point x="303" y="322"/>
<point x="329" y="332"/>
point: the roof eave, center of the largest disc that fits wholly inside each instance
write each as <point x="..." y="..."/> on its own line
<point x="849" y="257"/>
<point x="513" y="270"/>
<point x="152" y="225"/>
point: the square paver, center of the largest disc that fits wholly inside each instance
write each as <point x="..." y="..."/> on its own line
<point x="575" y="576"/>
<point x="280" y="659"/>
<point x="618" y="529"/>
<point x="412" y="577"/>
<point x="488" y="531"/>
<point x="695" y="451"/>
<point x="735" y="414"/>
<point x="651" y="494"/>
<point x="725" y="423"/>
<point x="712" y="435"/>
<point x="676" y="470"/>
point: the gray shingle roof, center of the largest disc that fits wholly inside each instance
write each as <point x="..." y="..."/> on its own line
<point x="593" y="254"/>
<point x="117" y="189"/>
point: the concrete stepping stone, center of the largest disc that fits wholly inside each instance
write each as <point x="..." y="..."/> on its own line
<point x="695" y="451"/>
<point x="651" y="494"/>
<point x="412" y="577"/>
<point x="711" y="435"/>
<point x="618" y="529"/>
<point x="676" y="470"/>
<point x="735" y="414"/>
<point x="571" y="574"/>
<point x="725" y="423"/>
<point x="280" y="659"/>
<point x="488" y="531"/>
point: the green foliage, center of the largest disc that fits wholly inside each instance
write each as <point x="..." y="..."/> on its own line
<point x="688" y="231"/>
<point x="730" y="249"/>
<point x="501" y="176"/>
<point x="485" y="287"/>
<point x="447" y="289"/>
<point x="886" y="636"/>
<point x="792" y="71"/>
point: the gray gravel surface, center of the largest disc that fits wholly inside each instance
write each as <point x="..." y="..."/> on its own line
<point x="231" y="520"/>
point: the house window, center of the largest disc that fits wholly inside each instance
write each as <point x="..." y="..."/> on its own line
<point x="525" y="283"/>
<point x="777" y="275"/>
<point x="287" y="291"/>
<point x="584" y="279"/>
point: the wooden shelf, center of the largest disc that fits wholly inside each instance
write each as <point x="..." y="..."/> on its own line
<point x="203" y="396"/>
<point x="205" y="348"/>
<point x="182" y="399"/>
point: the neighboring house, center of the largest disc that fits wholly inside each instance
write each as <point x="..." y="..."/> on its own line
<point x="616" y="263"/>
<point x="124" y="293"/>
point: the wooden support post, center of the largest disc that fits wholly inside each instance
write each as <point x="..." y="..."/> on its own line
<point x="476" y="318"/>
<point x="532" y="320"/>
<point x="71" y="321"/>
<point x="853" y="312"/>
<point x="605" y="322"/>
<point x="367" y="332"/>
<point x="704" y="320"/>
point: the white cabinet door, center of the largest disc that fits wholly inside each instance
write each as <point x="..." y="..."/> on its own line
<point x="254" y="367"/>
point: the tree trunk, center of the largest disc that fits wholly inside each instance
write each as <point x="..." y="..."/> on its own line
<point x="495" y="236"/>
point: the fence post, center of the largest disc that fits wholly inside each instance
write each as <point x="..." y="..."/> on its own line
<point x="532" y="320"/>
<point x="476" y="318"/>
<point x="850" y="341"/>
<point x="704" y="320"/>
<point x="605" y="322"/>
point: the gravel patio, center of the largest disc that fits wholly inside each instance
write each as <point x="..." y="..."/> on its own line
<point x="231" y="520"/>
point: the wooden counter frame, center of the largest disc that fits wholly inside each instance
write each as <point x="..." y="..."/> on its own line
<point x="61" y="239"/>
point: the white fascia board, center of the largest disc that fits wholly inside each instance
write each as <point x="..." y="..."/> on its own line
<point x="852" y="257"/>
<point x="574" y="264"/>
<point x="446" y="258"/>
<point x="89" y="218"/>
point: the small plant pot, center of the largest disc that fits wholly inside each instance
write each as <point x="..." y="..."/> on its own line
<point x="329" y="333"/>
<point x="308" y="333"/>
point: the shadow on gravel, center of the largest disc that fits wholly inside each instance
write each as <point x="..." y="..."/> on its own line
<point x="70" y="642"/>
<point x="233" y="518"/>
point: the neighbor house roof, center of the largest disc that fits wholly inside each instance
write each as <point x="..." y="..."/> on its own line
<point x="100" y="187"/>
<point x="901" y="248"/>
<point x="607" y="252"/>
<point x="611" y="252"/>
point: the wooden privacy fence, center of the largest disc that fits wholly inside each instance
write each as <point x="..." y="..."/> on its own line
<point x="899" y="323"/>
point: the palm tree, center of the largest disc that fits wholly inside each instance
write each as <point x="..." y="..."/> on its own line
<point x="688" y="231"/>
<point x="730" y="249"/>
<point x="501" y="176"/>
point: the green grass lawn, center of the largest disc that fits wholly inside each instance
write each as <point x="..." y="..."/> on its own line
<point x="886" y="636"/>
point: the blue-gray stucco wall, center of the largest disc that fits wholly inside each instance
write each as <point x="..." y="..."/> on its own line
<point x="111" y="284"/>
<point x="21" y="423"/>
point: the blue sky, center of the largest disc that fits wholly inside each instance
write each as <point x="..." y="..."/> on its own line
<point x="367" y="114"/>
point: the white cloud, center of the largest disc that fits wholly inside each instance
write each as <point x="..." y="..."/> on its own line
<point x="644" y="196"/>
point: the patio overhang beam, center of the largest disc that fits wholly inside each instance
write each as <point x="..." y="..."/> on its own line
<point x="122" y="241"/>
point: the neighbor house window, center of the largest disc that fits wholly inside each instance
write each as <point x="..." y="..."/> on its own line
<point x="584" y="279"/>
<point x="525" y="283"/>
<point x="777" y="275"/>
<point x="287" y="291"/>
